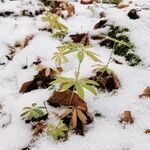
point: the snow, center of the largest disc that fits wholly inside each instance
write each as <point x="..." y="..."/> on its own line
<point x="104" y="133"/>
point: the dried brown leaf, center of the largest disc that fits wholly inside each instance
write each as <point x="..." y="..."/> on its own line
<point x="126" y="118"/>
<point x="63" y="99"/>
<point x="74" y="118"/>
<point x="146" y="93"/>
<point x="39" y="128"/>
<point x="81" y="116"/>
<point x="80" y="38"/>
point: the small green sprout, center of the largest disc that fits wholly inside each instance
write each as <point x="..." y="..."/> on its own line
<point x="60" y="29"/>
<point x="58" y="131"/>
<point x="67" y="48"/>
<point x="102" y="69"/>
<point x="32" y="112"/>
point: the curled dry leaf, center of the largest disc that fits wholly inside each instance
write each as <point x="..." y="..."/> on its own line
<point x="80" y="38"/>
<point x="126" y="118"/>
<point x="41" y="80"/>
<point x="39" y="128"/>
<point x="146" y="93"/>
<point x="63" y="99"/>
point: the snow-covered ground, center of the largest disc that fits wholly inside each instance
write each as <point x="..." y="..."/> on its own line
<point x="104" y="133"/>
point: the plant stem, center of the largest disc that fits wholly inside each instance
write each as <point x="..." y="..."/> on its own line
<point x="117" y="41"/>
<point x="77" y="76"/>
<point x="45" y="107"/>
<point x="106" y="66"/>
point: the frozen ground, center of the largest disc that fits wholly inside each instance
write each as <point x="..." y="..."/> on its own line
<point x="104" y="133"/>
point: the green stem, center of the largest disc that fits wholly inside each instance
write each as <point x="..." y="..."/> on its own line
<point x="109" y="59"/>
<point x="77" y="76"/>
<point x="117" y="41"/>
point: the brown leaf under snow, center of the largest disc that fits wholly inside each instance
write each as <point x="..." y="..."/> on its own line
<point x="39" y="128"/>
<point x="41" y="80"/>
<point x="146" y="93"/>
<point x="106" y="81"/>
<point x="126" y="118"/>
<point x="80" y="38"/>
<point x="63" y="99"/>
<point x="24" y="42"/>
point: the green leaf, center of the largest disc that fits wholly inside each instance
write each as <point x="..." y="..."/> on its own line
<point x="80" y="56"/>
<point x="58" y="131"/>
<point x="39" y="112"/>
<point x="91" y="82"/>
<point x="90" y="88"/>
<point x="92" y="55"/>
<point x="34" y="104"/>
<point x="24" y="113"/>
<point x="109" y="71"/>
<point x="62" y="80"/>
<point x="66" y="86"/>
<point x="80" y="91"/>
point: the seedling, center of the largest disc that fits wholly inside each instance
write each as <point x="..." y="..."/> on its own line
<point x="59" y="30"/>
<point x="58" y="131"/>
<point x="33" y="112"/>
<point x="123" y="46"/>
<point x="78" y="85"/>
<point x="67" y="48"/>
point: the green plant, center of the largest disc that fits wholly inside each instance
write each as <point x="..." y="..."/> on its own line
<point x="58" y="131"/>
<point x="67" y="48"/>
<point x="78" y="85"/>
<point x="59" y="30"/>
<point x="123" y="47"/>
<point x="32" y="112"/>
<point x="112" y="1"/>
